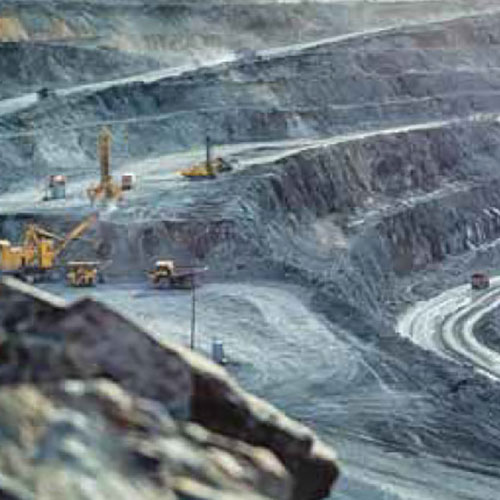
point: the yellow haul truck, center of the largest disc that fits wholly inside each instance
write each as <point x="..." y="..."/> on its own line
<point x="167" y="273"/>
<point x="82" y="273"/>
<point x="35" y="258"/>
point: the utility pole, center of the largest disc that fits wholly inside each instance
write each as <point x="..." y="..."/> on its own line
<point x="208" y="151"/>
<point x="193" y="311"/>
<point x="125" y="140"/>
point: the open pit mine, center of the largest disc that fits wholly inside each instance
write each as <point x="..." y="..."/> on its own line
<point x="250" y="250"/>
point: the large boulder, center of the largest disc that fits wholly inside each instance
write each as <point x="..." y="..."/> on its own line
<point x="46" y="340"/>
<point x="92" y="440"/>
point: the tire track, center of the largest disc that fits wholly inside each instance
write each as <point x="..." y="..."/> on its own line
<point x="445" y="325"/>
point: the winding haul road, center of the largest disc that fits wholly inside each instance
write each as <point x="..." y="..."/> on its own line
<point x="445" y="324"/>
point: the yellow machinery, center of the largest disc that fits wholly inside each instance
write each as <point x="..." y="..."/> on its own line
<point x="167" y="273"/>
<point x="82" y="273"/>
<point x="34" y="259"/>
<point x="107" y="189"/>
<point x="207" y="169"/>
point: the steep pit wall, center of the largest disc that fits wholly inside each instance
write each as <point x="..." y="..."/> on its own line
<point x="364" y="183"/>
<point x="183" y="29"/>
<point x="27" y="66"/>
<point x="396" y="203"/>
<point x="440" y="228"/>
<point x="378" y="80"/>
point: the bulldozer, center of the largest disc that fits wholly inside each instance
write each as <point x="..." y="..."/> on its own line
<point x="35" y="258"/>
<point x="209" y="169"/>
<point x="107" y="189"/>
<point x="168" y="273"/>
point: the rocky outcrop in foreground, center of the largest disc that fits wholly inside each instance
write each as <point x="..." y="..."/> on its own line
<point x="93" y="404"/>
<point x="93" y="440"/>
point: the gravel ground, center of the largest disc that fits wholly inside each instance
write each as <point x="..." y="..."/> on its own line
<point x="312" y="373"/>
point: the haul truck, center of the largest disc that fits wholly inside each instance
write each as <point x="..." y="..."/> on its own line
<point x="168" y="273"/>
<point x="83" y="273"/>
<point x="479" y="281"/>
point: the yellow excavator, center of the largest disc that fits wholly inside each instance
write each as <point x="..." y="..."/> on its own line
<point x="209" y="169"/>
<point x="107" y="189"/>
<point x="35" y="258"/>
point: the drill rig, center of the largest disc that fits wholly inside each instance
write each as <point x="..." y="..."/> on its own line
<point x="210" y="168"/>
<point x="35" y="258"/>
<point x="107" y="189"/>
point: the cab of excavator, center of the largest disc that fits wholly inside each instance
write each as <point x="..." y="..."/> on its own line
<point x="10" y="259"/>
<point x="46" y="254"/>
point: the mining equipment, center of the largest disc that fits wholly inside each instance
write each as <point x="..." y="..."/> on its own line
<point x="107" y="190"/>
<point x="45" y="93"/>
<point x="479" y="281"/>
<point x="168" y="273"/>
<point x="82" y="273"/>
<point x="128" y="182"/>
<point x="209" y="168"/>
<point x="85" y="273"/>
<point x="35" y="258"/>
<point x="55" y="188"/>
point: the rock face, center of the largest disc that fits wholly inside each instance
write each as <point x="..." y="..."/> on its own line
<point x="46" y="343"/>
<point x="28" y="66"/>
<point x="372" y="81"/>
<point x="86" y="437"/>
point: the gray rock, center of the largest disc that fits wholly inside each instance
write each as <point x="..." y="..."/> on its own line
<point x="94" y="440"/>
<point x="49" y="341"/>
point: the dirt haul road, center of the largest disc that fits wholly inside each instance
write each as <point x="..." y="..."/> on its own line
<point x="446" y="324"/>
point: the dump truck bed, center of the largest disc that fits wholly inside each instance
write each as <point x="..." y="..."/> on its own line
<point x="180" y="271"/>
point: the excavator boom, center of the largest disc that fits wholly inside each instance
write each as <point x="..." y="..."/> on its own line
<point x="75" y="233"/>
<point x="40" y="231"/>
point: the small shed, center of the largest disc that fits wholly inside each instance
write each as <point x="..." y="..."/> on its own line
<point x="56" y="187"/>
